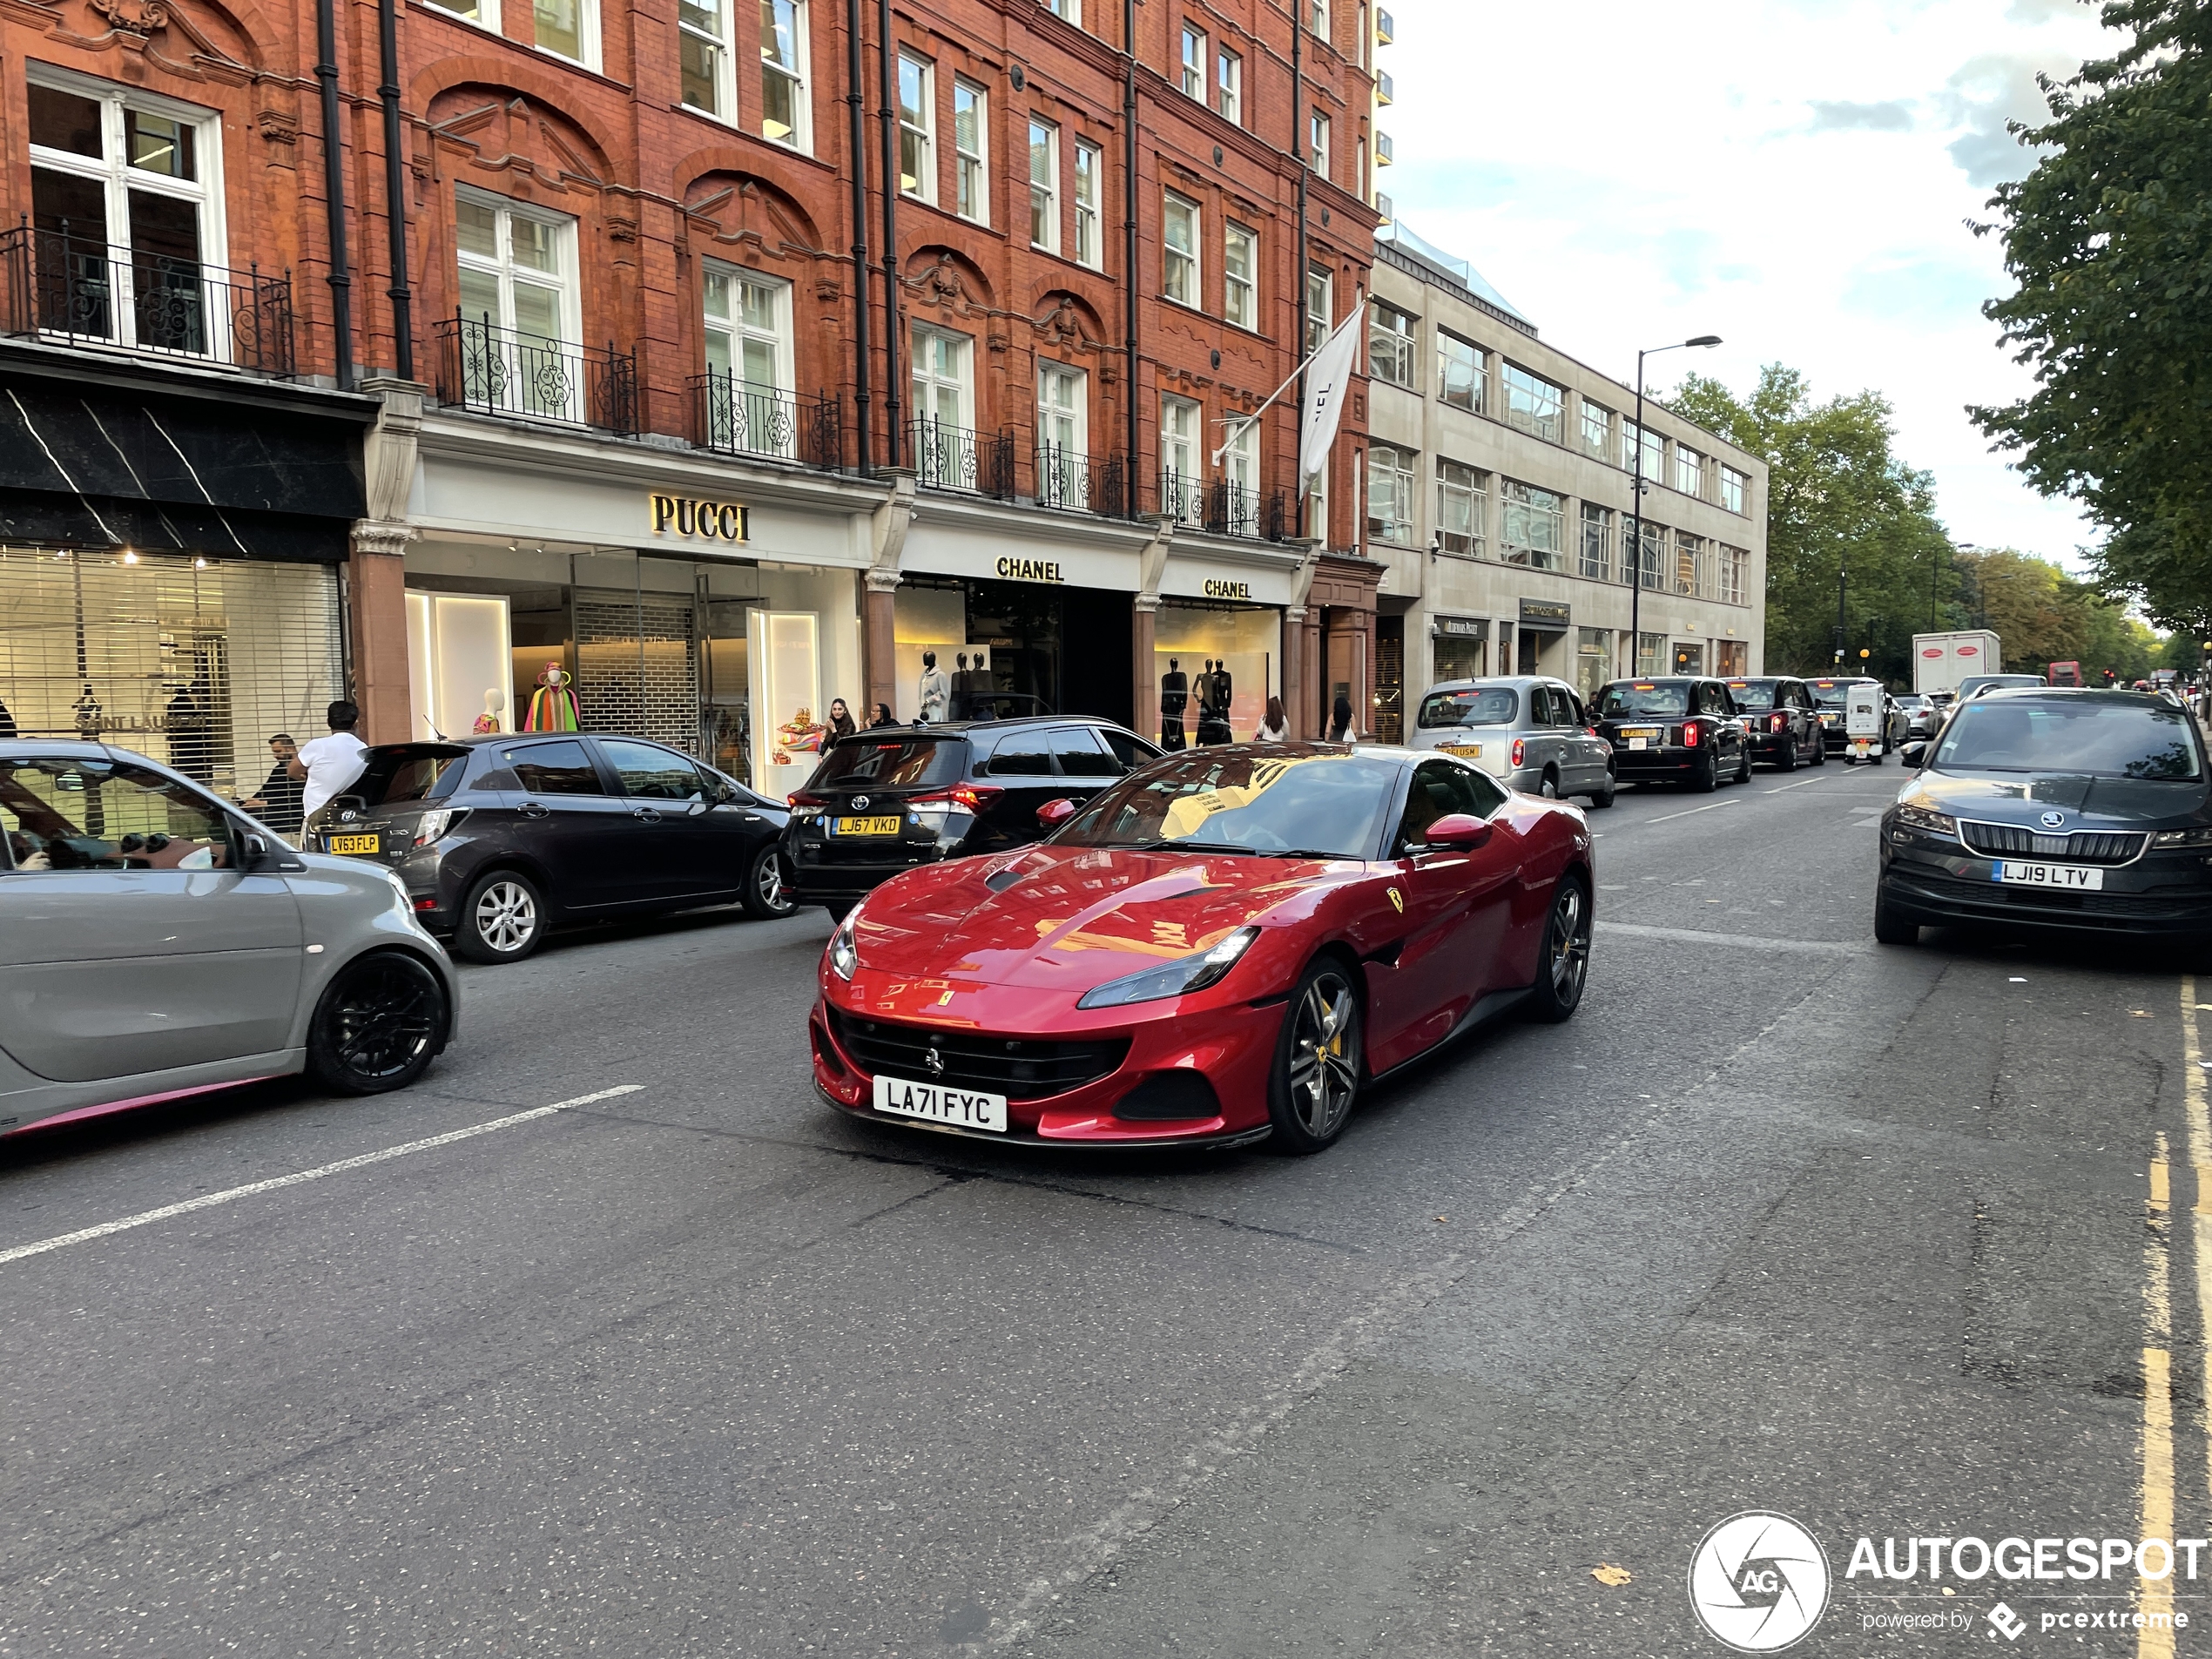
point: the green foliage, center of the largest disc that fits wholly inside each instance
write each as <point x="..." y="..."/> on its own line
<point x="2043" y="615"/>
<point x="1836" y="497"/>
<point x="2110" y="242"/>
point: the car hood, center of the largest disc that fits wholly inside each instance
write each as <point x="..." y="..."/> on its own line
<point x="2022" y="798"/>
<point x="1069" y="918"/>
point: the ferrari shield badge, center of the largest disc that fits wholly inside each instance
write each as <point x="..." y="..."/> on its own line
<point x="1396" y="902"/>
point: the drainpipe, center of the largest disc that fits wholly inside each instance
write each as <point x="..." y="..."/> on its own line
<point x="856" y="110"/>
<point x="1300" y="277"/>
<point x="1129" y="238"/>
<point x="890" y="238"/>
<point x="395" y="188"/>
<point x="334" y="189"/>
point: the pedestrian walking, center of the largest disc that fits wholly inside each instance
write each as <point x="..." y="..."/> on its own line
<point x="1275" y="727"/>
<point x="330" y="765"/>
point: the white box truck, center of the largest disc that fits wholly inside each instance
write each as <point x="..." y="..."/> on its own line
<point x="1940" y="661"/>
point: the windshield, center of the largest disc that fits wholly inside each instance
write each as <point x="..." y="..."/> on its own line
<point x="1481" y="705"/>
<point x="1752" y="695"/>
<point x="1829" y="694"/>
<point x="1644" y="697"/>
<point x="1330" y="805"/>
<point x="892" y="764"/>
<point x="394" y="777"/>
<point x="1980" y="683"/>
<point x="2096" y="739"/>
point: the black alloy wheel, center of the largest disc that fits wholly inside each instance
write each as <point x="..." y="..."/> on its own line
<point x="1563" y="968"/>
<point x="1705" y="773"/>
<point x="1743" y="765"/>
<point x="377" y="1026"/>
<point x="768" y="893"/>
<point x="502" y="918"/>
<point x="1604" y="797"/>
<point x="1318" y="1060"/>
<point x="1890" y="927"/>
<point x="1789" y="761"/>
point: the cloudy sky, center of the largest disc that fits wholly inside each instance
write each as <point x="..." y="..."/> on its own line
<point x="1794" y="175"/>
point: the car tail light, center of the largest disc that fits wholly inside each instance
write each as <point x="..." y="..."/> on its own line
<point x="804" y="798"/>
<point x="969" y="798"/>
<point x="1519" y="750"/>
<point x="426" y="904"/>
<point x="1690" y="735"/>
<point x="1778" y="723"/>
<point x="437" y="822"/>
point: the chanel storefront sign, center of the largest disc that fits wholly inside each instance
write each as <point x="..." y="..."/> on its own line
<point x="1216" y="589"/>
<point x="1012" y="569"/>
<point x="712" y="521"/>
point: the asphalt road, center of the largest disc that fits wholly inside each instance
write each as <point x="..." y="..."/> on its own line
<point x="1781" y="1220"/>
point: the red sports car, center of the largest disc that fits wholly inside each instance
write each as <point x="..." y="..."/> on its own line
<point x="1223" y="947"/>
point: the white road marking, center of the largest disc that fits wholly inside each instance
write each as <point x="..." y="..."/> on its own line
<point x="1693" y="810"/>
<point x="208" y="1201"/>
<point x="1734" y="942"/>
<point x="1806" y="785"/>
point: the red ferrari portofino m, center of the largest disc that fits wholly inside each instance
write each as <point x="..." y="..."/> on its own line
<point x="1224" y="946"/>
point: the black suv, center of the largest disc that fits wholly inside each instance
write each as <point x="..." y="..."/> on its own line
<point x="497" y="838"/>
<point x="887" y="800"/>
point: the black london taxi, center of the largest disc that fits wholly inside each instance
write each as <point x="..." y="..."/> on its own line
<point x="1680" y="729"/>
<point x="1781" y="723"/>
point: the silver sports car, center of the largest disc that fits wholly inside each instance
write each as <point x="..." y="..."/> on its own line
<point x="155" y="941"/>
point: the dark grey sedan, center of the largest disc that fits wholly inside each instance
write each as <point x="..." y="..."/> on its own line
<point x="155" y="941"/>
<point x="2079" y="809"/>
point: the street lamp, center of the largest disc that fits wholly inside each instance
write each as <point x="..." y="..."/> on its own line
<point x="1635" y="506"/>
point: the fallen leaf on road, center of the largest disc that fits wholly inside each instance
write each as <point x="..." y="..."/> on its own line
<point x="1607" y="1573"/>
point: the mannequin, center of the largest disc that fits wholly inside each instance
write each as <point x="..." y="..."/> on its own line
<point x="962" y="681"/>
<point x="1175" y="692"/>
<point x="495" y="704"/>
<point x="553" y="705"/>
<point x="936" y="690"/>
<point x="1213" y="707"/>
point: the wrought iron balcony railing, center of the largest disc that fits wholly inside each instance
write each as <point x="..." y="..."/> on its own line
<point x="505" y="371"/>
<point x="1083" y="483"/>
<point x="952" y="457"/>
<point x="740" y="417"/>
<point x="58" y="286"/>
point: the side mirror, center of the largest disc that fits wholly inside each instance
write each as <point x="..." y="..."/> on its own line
<point x="1459" y="829"/>
<point x="253" y="849"/>
<point x="1915" y="754"/>
<point x="1054" y="813"/>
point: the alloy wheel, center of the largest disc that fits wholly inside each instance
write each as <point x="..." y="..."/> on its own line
<point x="1570" y="945"/>
<point x="1325" y="1055"/>
<point x="506" y="916"/>
<point x="385" y="1014"/>
<point x="769" y="883"/>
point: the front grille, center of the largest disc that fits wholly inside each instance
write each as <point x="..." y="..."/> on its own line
<point x="1019" y="1067"/>
<point x="2082" y="846"/>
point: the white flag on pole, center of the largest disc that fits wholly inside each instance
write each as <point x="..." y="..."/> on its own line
<point x="1326" y="382"/>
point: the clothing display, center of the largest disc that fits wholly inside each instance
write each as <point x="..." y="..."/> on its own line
<point x="1213" y="706"/>
<point x="937" y="690"/>
<point x="488" y="724"/>
<point x="553" y="705"/>
<point x="1175" y="692"/>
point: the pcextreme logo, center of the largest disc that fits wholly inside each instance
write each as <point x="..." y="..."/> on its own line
<point x="1758" y="1582"/>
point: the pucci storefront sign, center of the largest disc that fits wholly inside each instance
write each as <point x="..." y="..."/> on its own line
<point x="692" y="516"/>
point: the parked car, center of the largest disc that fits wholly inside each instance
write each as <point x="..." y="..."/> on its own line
<point x="155" y="941"/>
<point x="1526" y="731"/>
<point x="1974" y="685"/>
<point x="1229" y="947"/>
<point x="499" y="840"/>
<point x="886" y="800"/>
<point x="1780" y="721"/>
<point x="2085" y="811"/>
<point x="1676" y="729"/>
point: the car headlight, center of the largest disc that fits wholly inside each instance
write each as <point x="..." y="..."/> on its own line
<point x="1920" y="817"/>
<point x="844" y="954"/>
<point x="2182" y="838"/>
<point x="1178" y="978"/>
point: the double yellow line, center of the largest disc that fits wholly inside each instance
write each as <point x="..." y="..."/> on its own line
<point x="2158" y="1320"/>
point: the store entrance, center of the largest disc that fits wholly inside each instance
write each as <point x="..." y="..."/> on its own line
<point x="1066" y="647"/>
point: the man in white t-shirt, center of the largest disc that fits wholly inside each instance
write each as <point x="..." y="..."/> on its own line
<point x="330" y="764"/>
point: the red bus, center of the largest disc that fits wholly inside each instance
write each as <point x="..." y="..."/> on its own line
<point x="2065" y="674"/>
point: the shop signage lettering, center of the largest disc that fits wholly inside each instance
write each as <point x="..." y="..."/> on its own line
<point x="1015" y="569"/>
<point x="1462" y="627"/>
<point x="1216" y="589"/>
<point x="1544" y="610"/>
<point x="712" y="520"/>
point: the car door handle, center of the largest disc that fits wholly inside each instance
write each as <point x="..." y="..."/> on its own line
<point x="535" y="809"/>
<point x="645" y="813"/>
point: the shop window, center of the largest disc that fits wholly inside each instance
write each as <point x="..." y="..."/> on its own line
<point x="1228" y="655"/>
<point x="1063" y="451"/>
<point x="1044" y="186"/>
<point x="703" y="56"/>
<point x="126" y="214"/>
<point x="1183" y="469"/>
<point x="1649" y="649"/>
<point x="1690" y="656"/>
<point x="1593" y="661"/>
<point x="971" y="152"/>
<point x="459" y="660"/>
<point x="917" y="128"/>
<point x="568" y="29"/>
<point x="1459" y="655"/>
<point x="747" y="328"/>
<point x="1090" y="169"/>
<point x="787" y="690"/>
<point x="1729" y="658"/>
<point x="785" y="113"/>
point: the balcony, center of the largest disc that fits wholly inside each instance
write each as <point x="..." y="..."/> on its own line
<point x="1074" y="482"/>
<point x="955" y="458"/>
<point x="503" y="371"/>
<point x="57" y="287"/>
<point x="739" y="417"/>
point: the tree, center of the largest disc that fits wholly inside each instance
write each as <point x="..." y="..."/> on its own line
<point x="2109" y="239"/>
<point x="2043" y="615"/>
<point x="1838" y="499"/>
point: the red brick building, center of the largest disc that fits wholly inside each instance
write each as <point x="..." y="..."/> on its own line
<point x="633" y="283"/>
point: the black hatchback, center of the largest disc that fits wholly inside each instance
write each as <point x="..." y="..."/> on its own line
<point x="885" y="801"/>
<point x="498" y="838"/>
